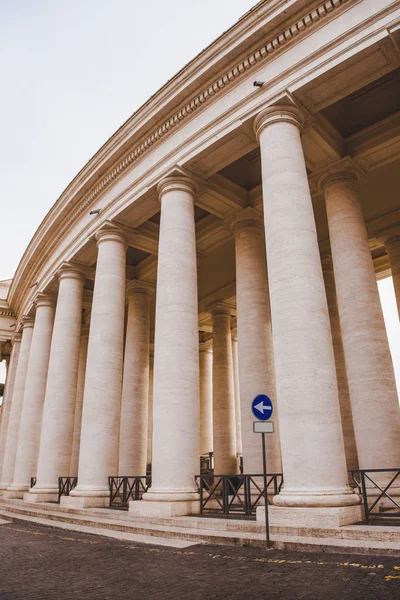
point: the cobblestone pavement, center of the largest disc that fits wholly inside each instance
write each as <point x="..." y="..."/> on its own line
<point x="42" y="563"/>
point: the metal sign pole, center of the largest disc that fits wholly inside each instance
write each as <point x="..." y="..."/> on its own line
<point x="268" y="541"/>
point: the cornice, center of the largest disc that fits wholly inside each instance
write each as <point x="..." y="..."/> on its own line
<point x="275" y="44"/>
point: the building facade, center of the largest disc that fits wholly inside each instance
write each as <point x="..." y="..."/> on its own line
<point x="225" y="242"/>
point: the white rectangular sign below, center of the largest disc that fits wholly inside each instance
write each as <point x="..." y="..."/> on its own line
<point x="263" y="427"/>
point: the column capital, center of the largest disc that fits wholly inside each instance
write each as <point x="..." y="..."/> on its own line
<point x="110" y="232"/>
<point x="73" y="271"/>
<point x="278" y="113"/>
<point x="139" y="287"/>
<point x="16" y="338"/>
<point x="248" y="217"/>
<point x="220" y="308"/>
<point x="176" y="183"/>
<point x="344" y="171"/>
<point x="45" y="299"/>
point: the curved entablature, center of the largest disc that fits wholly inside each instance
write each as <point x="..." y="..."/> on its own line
<point x="211" y="99"/>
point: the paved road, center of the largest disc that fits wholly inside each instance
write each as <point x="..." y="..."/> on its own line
<point x="42" y="563"/>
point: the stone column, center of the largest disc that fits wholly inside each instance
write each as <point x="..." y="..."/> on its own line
<point x="224" y="424"/>
<point x="80" y="386"/>
<point x="10" y="449"/>
<point x="392" y="245"/>
<point x="236" y="387"/>
<point x="59" y="405"/>
<point x="341" y="373"/>
<point x="370" y="373"/>
<point x="206" y="398"/>
<point x="176" y="359"/>
<point x="32" y="405"/>
<point x="98" y="454"/>
<point x="150" y="414"/>
<point x="255" y="347"/>
<point x="135" y="387"/>
<point x="7" y="400"/>
<point x="313" y="457"/>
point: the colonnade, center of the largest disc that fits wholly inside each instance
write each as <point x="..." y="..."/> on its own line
<point x="311" y="335"/>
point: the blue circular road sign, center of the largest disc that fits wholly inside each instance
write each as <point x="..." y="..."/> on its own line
<point x="262" y="407"/>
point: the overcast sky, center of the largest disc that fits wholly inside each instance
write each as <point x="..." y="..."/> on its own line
<point x="72" y="72"/>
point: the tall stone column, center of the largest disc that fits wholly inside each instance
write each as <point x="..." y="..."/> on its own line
<point x="315" y="470"/>
<point x="176" y="359"/>
<point x="98" y="454"/>
<point x="80" y="386"/>
<point x="392" y="245"/>
<point x="255" y="347"/>
<point x="7" y="400"/>
<point x="349" y="438"/>
<point x="224" y="423"/>
<point x="59" y="404"/>
<point x="206" y="398"/>
<point x="135" y="387"/>
<point x="370" y="373"/>
<point x="150" y="413"/>
<point x="32" y="405"/>
<point x="238" y="422"/>
<point x="10" y="449"/>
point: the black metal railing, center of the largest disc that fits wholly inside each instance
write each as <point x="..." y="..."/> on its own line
<point x="207" y="462"/>
<point x="66" y="485"/>
<point x="33" y="482"/>
<point x="376" y="487"/>
<point x="235" y="494"/>
<point x="125" y="489"/>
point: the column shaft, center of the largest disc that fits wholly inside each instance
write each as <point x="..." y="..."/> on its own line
<point x="392" y="245"/>
<point x="238" y="422"/>
<point x="80" y="386"/>
<point x="98" y="454"/>
<point x="32" y="405"/>
<point x="313" y="456"/>
<point x="135" y="387"/>
<point x="255" y="347"/>
<point x="150" y="414"/>
<point x="10" y="449"/>
<point x="7" y="400"/>
<point x="370" y="373"/>
<point x="224" y="425"/>
<point x="206" y="399"/>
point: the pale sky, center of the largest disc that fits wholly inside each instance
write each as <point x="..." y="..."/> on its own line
<point x="72" y="72"/>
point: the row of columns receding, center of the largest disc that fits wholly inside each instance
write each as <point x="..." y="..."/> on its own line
<point x="311" y="336"/>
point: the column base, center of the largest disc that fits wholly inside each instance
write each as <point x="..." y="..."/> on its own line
<point x="323" y="498"/>
<point x="179" y="508"/>
<point x="85" y="501"/>
<point x="13" y="493"/>
<point x="45" y="496"/>
<point x="311" y="517"/>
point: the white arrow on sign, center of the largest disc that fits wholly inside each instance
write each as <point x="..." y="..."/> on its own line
<point x="261" y="408"/>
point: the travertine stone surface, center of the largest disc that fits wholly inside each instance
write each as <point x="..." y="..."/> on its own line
<point x="150" y="414"/>
<point x="35" y="387"/>
<point x="59" y="405"/>
<point x="80" y="386"/>
<point x="312" y="446"/>
<point x="235" y="359"/>
<point x="392" y="246"/>
<point x="10" y="449"/>
<point x="341" y="373"/>
<point x="176" y="405"/>
<point x="370" y="373"/>
<point x="135" y="386"/>
<point x="206" y="398"/>
<point x="98" y="454"/>
<point x="7" y="400"/>
<point x="224" y="423"/>
<point x="255" y="347"/>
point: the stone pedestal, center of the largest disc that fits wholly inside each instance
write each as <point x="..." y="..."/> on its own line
<point x="374" y="401"/>
<point x="392" y="245"/>
<point x="135" y="387"/>
<point x="98" y="455"/>
<point x="35" y="388"/>
<point x="311" y="518"/>
<point x="313" y="457"/>
<point x="224" y="422"/>
<point x="10" y="449"/>
<point x="206" y="398"/>
<point x="176" y="425"/>
<point x="256" y="355"/>
<point x="59" y="405"/>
